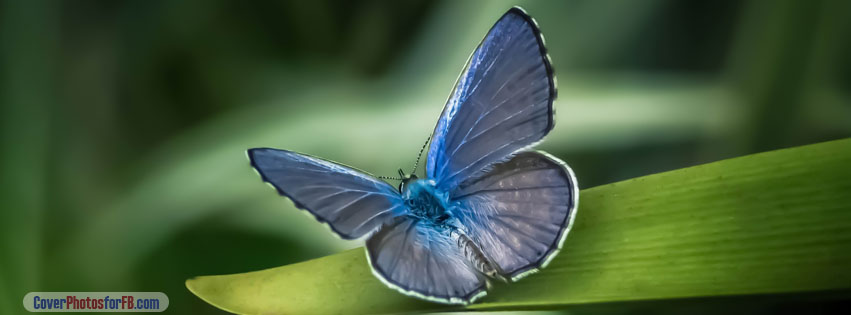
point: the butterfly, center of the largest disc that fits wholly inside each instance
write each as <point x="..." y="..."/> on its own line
<point x="488" y="206"/>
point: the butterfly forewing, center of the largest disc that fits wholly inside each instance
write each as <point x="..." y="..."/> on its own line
<point x="501" y="103"/>
<point x="351" y="202"/>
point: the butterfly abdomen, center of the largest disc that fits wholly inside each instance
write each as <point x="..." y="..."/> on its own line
<point x="427" y="203"/>
<point x="475" y="255"/>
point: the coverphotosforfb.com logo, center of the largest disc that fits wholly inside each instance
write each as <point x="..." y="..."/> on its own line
<point x="95" y="302"/>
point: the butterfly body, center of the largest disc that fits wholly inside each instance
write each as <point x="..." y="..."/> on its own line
<point x="487" y="207"/>
<point x="426" y="202"/>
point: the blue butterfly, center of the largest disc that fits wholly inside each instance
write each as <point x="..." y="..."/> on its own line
<point x="488" y="207"/>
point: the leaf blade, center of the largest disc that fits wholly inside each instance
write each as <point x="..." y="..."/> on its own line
<point x="773" y="222"/>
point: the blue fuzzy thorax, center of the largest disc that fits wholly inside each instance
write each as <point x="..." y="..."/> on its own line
<point x="425" y="201"/>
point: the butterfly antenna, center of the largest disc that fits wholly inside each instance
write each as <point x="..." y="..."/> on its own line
<point x="417" y="163"/>
<point x="389" y="178"/>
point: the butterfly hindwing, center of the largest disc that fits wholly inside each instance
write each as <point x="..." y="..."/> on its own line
<point x="422" y="260"/>
<point x="519" y="211"/>
<point x="501" y="103"/>
<point x="351" y="202"/>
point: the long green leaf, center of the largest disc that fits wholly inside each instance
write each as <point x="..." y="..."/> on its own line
<point x="767" y="223"/>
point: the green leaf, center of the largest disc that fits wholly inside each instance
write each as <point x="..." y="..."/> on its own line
<point x="773" y="222"/>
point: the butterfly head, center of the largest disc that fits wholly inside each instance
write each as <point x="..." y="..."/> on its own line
<point x="406" y="178"/>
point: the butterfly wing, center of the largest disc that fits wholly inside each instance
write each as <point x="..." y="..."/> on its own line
<point x="420" y="259"/>
<point x="351" y="202"/>
<point x="501" y="103"/>
<point x="519" y="211"/>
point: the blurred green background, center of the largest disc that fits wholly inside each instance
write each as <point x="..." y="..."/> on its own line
<point x="124" y="123"/>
